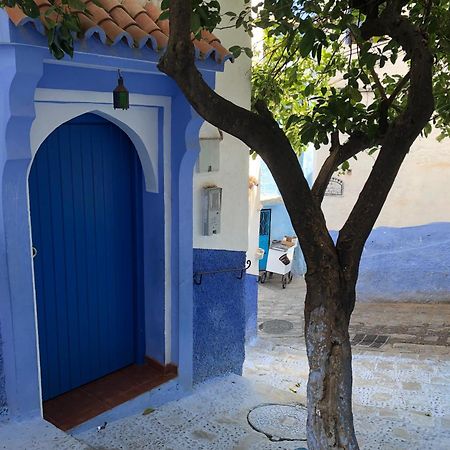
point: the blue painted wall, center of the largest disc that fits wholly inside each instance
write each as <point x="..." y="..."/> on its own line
<point x="23" y="69"/>
<point x="251" y="307"/>
<point x="219" y="315"/>
<point x="19" y="367"/>
<point x="2" y="382"/>
<point x="406" y="264"/>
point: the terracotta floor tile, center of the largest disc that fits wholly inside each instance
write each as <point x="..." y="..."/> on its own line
<point x="81" y="404"/>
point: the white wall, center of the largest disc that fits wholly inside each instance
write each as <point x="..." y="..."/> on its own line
<point x="233" y="84"/>
<point x="254" y="205"/>
<point x="419" y="195"/>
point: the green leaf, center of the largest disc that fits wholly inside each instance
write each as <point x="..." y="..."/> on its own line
<point x="248" y="52"/>
<point x="30" y="8"/>
<point x="236" y="50"/>
<point x="309" y="89"/>
<point x="306" y="44"/>
<point x="164" y="15"/>
<point x="292" y="119"/>
<point x="76" y="4"/>
<point x="196" y="24"/>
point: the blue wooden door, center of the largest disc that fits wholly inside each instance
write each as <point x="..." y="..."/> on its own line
<point x="85" y="186"/>
<point x="264" y="235"/>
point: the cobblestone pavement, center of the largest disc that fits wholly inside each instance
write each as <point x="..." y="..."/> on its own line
<point x="401" y="364"/>
<point x="215" y="417"/>
<point x="404" y="323"/>
<point x="401" y="389"/>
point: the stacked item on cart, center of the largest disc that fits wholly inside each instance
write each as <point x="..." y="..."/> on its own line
<point x="279" y="260"/>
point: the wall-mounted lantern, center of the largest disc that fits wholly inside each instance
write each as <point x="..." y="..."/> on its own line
<point x="121" y="96"/>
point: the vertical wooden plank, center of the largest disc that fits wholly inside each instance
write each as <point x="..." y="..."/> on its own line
<point x="50" y="327"/>
<point x="137" y="257"/>
<point x="70" y="260"/>
<point x="59" y="259"/>
<point x="99" y="138"/>
<point x="76" y="142"/>
<point x="90" y="250"/>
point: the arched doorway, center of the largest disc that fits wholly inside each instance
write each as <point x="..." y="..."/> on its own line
<point x="85" y="189"/>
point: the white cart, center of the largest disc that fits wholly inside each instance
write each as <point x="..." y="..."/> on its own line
<point x="279" y="260"/>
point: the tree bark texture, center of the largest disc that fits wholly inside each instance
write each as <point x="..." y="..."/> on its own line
<point x="329" y="392"/>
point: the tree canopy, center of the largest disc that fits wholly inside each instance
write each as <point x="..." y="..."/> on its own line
<point x="316" y="65"/>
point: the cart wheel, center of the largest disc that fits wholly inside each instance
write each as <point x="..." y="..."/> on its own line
<point x="262" y="277"/>
<point x="290" y="277"/>
<point x="283" y="282"/>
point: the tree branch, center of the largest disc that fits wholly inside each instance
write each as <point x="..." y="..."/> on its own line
<point x="258" y="130"/>
<point x="378" y="83"/>
<point x="398" y="88"/>
<point x="398" y="138"/>
<point x="356" y="143"/>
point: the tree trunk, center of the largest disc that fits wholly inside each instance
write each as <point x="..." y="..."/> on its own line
<point x="328" y="308"/>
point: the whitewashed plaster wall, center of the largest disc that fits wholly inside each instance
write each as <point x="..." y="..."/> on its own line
<point x="233" y="84"/>
<point x="420" y="193"/>
<point x="254" y="204"/>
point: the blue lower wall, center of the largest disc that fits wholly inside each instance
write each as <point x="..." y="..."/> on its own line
<point x="2" y="382"/>
<point x="219" y="315"/>
<point x="251" y="307"/>
<point x="406" y="264"/>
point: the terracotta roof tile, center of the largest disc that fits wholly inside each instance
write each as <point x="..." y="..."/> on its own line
<point x="108" y="5"/>
<point x="121" y="18"/>
<point x="17" y="17"/>
<point x="97" y="14"/>
<point x="152" y="10"/>
<point x="133" y="8"/>
<point x="134" y="22"/>
<point x="160" y="38"/>
<point x="146" y="23"/>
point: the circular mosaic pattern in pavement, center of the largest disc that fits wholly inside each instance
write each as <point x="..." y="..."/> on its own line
<point x="279" y="422"/>
<point x="276" y="326"/>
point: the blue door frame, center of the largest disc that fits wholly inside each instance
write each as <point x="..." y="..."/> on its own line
<point x="86" y="214"/>
<point x="264" y="235"/>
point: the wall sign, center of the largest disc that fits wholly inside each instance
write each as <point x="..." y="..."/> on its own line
<point x="335" y="187"/>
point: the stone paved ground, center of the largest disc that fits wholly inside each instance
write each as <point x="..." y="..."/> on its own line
<point x="404" y="323"/>
<point x="401" y="390"/>
<point x="215" y="418"/>
<point x="36" y="434"/>
<point x="406" y="381"/>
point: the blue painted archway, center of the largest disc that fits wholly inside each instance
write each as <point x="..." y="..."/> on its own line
<point x="86" y="216"/>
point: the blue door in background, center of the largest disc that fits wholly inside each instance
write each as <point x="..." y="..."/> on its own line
<point x="85" y="190"/>
<point x="264" y="236"/>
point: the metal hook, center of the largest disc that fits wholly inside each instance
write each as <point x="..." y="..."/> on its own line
<point x="198" y="276"/>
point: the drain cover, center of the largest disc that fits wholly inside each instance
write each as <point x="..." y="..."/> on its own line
<point x="280" y="422"/>
<point x="276" y="326"/>
<point x="369" y="340"/>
